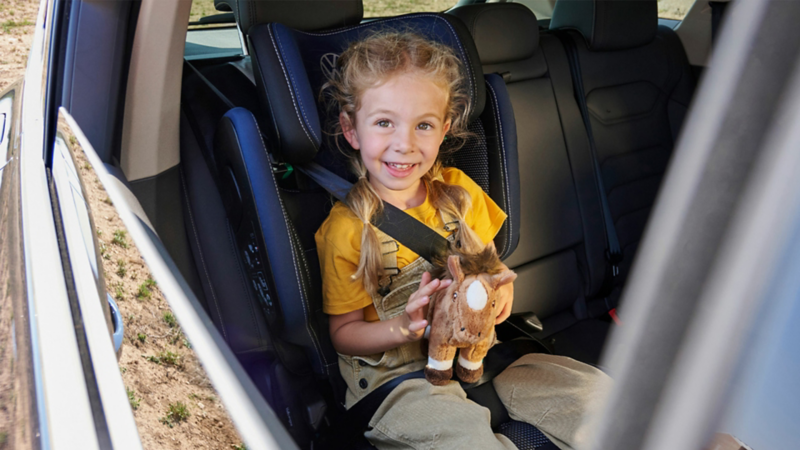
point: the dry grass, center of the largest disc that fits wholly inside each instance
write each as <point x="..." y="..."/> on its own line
<point x="674" y="9"/>
<point x="385" y="8"/>
<point x="159" y="367"/>
<point x="668" y="9"/>
<point x="372" y="8"/>
<point x="202" y="8"/>
<point x="17" y="18"/>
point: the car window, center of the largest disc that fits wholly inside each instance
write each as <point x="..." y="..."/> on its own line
<point x="167" y="335"/>
<point x="674" y="9"/>
<point x="386" y="8"/>
<point x="212" y="33"/>
<point x="667" y="9"/>
<point x="543" y="9"/>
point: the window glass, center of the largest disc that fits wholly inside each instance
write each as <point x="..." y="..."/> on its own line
<point x="667" y="9"/>
<point x="202" y="8"/>
<point x="387" y="8"/>
<point x="674" y="9"/>
<point x="543" y="9"/>
<point x="212" y="33"/>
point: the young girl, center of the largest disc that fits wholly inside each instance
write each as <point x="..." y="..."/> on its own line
<point x="399" y="97"/>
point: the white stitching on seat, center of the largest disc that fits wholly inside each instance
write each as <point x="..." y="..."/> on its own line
<point x="303" y="298"/>
<point x="280" y="60"/>
<point x="200" y="251"/>
<point x="294" y="88"/>
<point x="308" y="276"/>
<point x="499" y="125"/>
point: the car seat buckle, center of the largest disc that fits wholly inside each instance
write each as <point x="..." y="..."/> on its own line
<point x="282" y="168"/>
<point x="614" y="258"/>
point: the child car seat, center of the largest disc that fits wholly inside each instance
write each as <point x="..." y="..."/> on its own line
<point x="272" y="217"/>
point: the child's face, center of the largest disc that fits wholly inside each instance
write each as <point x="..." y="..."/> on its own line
<point x="398" y="130"/>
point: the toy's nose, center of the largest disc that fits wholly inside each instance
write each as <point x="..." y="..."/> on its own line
<point x="477" y="296"/>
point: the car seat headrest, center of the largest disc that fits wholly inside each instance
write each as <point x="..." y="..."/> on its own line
<point x="609" y="24"/>
<point x="223" y="5"/>
<point x="306" y="15"/>
<point x="503" y="32"/>
<point x="291" y="66"/>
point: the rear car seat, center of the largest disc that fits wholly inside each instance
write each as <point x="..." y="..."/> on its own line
<point x="638" y="86"/>
<point x="560" y="256"/>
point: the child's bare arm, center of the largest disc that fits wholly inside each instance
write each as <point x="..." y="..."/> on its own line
<point x="352" y="335"/>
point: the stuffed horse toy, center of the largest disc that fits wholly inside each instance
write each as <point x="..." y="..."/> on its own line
<point x="463" y="315"/>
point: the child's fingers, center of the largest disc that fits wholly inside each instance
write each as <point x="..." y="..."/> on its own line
<point x="417" y="305"/>
<point x="417" y="326"/>
<point x="426" y="278"/>
<point x="433" y="286"/>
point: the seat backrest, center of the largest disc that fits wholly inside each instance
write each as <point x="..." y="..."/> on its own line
<point x="638" y="86"/>
<point x="559" y="258"/>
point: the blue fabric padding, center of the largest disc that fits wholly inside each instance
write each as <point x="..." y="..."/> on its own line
<point x="498" y="116"/>
<point x="285" y="259"/>
<point x="290" y="70"/>
<point x="301" y="88"/>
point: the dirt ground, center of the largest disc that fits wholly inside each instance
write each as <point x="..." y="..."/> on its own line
<point x="16" y="33"/>
<point x="173" y="403"/>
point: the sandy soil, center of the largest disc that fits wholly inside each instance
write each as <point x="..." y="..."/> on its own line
<point x="16" y="33"/>
<point x="158" y="367"/>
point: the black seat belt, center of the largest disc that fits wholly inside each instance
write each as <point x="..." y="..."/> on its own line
<point x="613" y="250"/>
<point x="395" y="222"/>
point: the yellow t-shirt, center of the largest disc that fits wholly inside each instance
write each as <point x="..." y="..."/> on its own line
<point x="339" y="244"/>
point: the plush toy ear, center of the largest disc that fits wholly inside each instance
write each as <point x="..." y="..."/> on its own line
<point x="454" y="264"/>
<point x="505" y="277"/>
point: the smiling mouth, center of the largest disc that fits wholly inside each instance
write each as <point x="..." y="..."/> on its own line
<point x="398" y="166"/>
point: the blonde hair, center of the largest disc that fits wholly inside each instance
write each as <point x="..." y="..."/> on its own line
<point x="368" y="63"/>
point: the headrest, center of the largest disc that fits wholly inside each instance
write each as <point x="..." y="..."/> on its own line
<point x="291" y="67"/>
<point x="609" y="24"/>
<point x="503" y="32"/>
<point x="305" y="15"/>
<point x="222" y="5"/>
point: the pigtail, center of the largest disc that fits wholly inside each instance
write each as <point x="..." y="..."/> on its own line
<point x="364" y="202"/>
<point x="451" y="199"/>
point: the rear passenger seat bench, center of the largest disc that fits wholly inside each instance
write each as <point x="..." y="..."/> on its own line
<point x="640" y="97"/>
<point x="638" y="85"/>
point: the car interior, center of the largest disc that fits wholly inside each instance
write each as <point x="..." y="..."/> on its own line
<point x="574" y="119"/>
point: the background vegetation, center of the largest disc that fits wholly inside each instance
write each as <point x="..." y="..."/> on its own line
<point x="668" y="9"/>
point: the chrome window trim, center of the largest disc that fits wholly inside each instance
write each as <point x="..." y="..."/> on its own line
<point x="64" y="412"/>
<point x="82" y="259"/>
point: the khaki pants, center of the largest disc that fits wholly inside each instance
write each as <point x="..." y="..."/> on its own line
<point x="553" y="393"/>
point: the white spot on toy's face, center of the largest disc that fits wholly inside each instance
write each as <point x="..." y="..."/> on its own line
<point x="476" y="295"/>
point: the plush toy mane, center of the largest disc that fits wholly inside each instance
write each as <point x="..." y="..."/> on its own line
<point x="475" y="258"/>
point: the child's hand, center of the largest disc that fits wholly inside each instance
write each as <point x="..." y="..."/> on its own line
<point x="414" y="322"/>
<point x="505" y="300"/>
